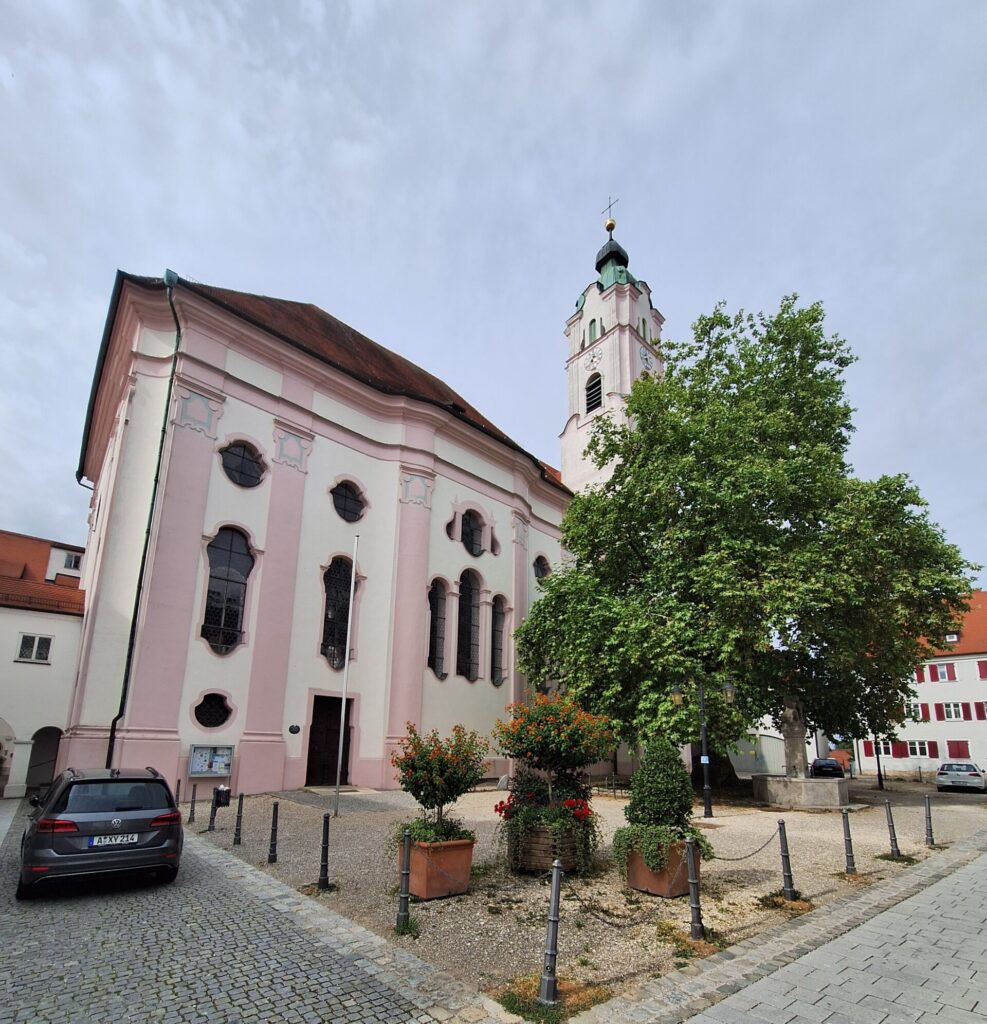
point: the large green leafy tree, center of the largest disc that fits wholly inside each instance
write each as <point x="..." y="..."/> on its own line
<point x="733" y="542"/>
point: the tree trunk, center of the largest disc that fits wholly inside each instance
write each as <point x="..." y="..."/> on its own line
<point x="793" y="731"/>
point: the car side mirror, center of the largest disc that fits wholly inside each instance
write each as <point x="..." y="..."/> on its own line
<point x="35" y="801"/>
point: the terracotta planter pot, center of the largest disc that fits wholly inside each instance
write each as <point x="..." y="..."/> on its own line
<point x="672" y="881"/>
<point x="439" y="869"/>
<point x="540" y="848"/>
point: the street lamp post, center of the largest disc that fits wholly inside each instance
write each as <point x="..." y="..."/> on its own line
<point x="677" y="698"/>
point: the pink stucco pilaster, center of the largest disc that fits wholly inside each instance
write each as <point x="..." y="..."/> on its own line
<point x="519" y="529"/>
<point x="409" y="608"/>
<point x="261" y="756"/>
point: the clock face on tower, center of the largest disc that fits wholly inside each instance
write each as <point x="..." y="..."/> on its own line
<point x="646" y="361"/>
<point x="592" y="361"/>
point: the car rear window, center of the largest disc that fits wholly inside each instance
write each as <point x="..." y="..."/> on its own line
<point x="113" y="796"/>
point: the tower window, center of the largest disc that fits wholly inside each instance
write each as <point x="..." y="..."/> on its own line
<point x="242" y="464"/>
<point x="541" y="567"/>
<point x="592" y="331"/>
<point x="437" y="628"/>
<point x="349" y="504"/>
<point x="230" y="563"/>
<point x="594" y="392"/>
<point x="471" y="532"/>
<point x="336" y="581"/>
<point x="497" y="641"/>
<point x="468" y="639"/>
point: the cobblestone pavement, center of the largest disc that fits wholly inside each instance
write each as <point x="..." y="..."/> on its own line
<point x="909" y="950"/>
<point x="223" y="943"/>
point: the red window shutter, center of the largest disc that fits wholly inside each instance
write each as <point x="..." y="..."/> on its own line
<point x="933" y="674"/>
<point x="951" y="672"/>
<point x="940" y="712"/>
<point x="980" y="710"/>
<point x="982" y="669"/>
<point x="966" y="713"/>
<point x="933" y="748"/>
<point x="962" y="748"/>
<point x="951" y="748"/>
<point x="920" y="674"/>
<point x="899" y="749"/>
<point x="925" y="712"/>
<point x="868" y="748"/>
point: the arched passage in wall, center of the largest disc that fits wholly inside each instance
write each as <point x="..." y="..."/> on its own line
<point x="6" y="752"/>
<point x="44" y="751"/>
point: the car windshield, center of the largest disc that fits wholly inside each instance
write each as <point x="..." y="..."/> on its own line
<point x="828" y="762"/>
<point x="113" y="796"/>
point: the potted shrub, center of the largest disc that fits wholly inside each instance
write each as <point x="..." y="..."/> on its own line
<point x="650" y="849"/>
<point x="437" y="772"/>
<point x="547" y="813"/>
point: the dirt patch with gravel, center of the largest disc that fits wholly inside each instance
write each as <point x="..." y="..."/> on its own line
<point x="609" y="935"/>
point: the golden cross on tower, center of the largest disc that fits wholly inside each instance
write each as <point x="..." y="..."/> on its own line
<point x="610" y="223"/>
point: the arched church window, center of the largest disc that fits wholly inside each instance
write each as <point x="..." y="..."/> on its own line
<point x="213" y="711"/>
<point x="594" y="392"/>
<point x="471" y="532"/>
<point x="437" y="628"/>
<point x="348" y="502"/>
<point x="468" y="638"/>
<point x="230" y="563"/>
<point x="242" y="464"/>
<point x="497" y="641"/>
<point x="336" y="581"/>
<point x="592" y="331"/>
<point x="541" y="567"/>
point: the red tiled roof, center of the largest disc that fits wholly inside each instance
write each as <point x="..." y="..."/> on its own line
<point x="311" y="329"/>
<point x="42" y="597"/>
<point x="973" y="631"/>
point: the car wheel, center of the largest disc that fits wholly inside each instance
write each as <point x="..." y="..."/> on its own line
<point x="23" y="892"/>
<point x="166" y="875"/>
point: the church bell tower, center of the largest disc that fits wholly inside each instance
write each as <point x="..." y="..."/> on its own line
<point x="614" y="337"/>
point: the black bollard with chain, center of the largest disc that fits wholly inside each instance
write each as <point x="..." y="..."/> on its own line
<point x="191" y="810"/>
<point x="696" y="929"/>
<point x="787" y="885"/>
<point x="930" y="839"/>
<point x="895" y="852"/>
<point x="238" y="827"/>
<point x="851" y="867"/>
<point x="324" y="863"/>
<point x="272" y="854"/>
<point x="548" y="989"/>
<point x="211" y="827"/>
<point x="403" y="915"/>
<point x="178" y="793"/>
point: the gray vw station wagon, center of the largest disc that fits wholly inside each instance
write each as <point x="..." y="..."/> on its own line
<point x="102" y="821"/>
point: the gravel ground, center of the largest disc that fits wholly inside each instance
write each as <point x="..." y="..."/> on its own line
<point x="608" y="934"/>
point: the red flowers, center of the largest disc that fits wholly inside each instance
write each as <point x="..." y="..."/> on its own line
<point x="580" y="809"/>
<point x="506" y="807"/>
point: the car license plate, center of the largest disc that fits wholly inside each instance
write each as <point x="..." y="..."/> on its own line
<point x="121" y="840"/>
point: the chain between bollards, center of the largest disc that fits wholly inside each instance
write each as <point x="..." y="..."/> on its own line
<point x="548" y="989"/>
<point x="930" y="839"/>
<point x="211" y="827"/>
<point x="238" y="827"/>
<point x="403" y="915"/>
<point x="324" y="863"/>
<point x="851" y="866"/>
<point x="696" y="929"/>
<point x="787" y="885"/>
<point x="895" y="852"/>
<point x="191" y="810"/>
<point x="272" y="854"/>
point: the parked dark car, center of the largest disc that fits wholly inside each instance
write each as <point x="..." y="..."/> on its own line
<point x="826" y="768"/>
<point x="101" y="821"/>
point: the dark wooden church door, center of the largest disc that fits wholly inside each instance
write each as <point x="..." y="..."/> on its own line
<point x="323" y="743"/>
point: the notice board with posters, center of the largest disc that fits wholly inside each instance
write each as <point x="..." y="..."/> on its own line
<point x="210" y="762"/>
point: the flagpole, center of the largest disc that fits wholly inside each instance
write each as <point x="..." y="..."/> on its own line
<point x="346" y="677"/>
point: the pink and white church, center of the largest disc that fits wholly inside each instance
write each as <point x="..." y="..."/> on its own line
<point x="237" y="445"/>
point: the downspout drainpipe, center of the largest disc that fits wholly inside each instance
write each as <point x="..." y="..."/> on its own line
<point x="170" y="280"/>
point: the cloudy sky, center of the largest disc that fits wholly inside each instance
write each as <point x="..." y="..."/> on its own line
<point x="434" y="175"/>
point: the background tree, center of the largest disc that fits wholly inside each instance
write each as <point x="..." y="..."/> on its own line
<point x="732" y="541"/>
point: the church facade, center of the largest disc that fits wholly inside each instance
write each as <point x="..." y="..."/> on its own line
<point x="284" y="510"/>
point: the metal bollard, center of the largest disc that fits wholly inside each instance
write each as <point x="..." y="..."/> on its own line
<point x="324" y="864"/>
<point x="403" y="915"/>
<point x="178" y="793"/>
<point x="238" y="827"/>
<point x="851" y="867"/>
<point x="696" y="929"/>
<point x="548" y="990"/>
<point x="787" y="885"/>
<point x="895" y="852"/>
<point x="191" y="810"/>
<point x="212" y="814"/>
<point x="930" y="839"/>
<point x="272" y="854"/>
